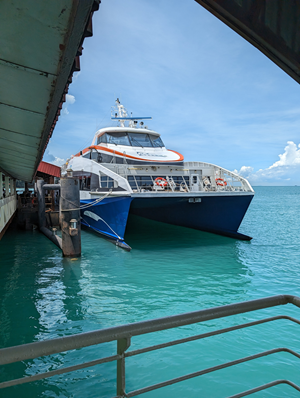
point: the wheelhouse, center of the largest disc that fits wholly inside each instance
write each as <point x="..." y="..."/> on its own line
<point x="135" y="139"/>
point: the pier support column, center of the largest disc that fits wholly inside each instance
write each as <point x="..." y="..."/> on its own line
<point x="1" y="186"/>
<point x="70" y="216"/>
<point x="7" y="187"/>
<point x="13" y="186"/>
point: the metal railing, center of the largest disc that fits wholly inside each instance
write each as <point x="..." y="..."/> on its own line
<point x="123" y="335"/>
<point x="220" y="172"/>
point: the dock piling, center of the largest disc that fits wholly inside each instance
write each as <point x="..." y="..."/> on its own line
<point x="69" y="214"/>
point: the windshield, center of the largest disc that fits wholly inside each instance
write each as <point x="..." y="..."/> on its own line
<point x="140" y="139"/>
<point x="131" y="139"/>
<point x="118" y="138"/>
<point x="156" y="141"/>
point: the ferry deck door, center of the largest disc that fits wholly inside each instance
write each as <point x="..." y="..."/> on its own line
<point x="195" y="182"/>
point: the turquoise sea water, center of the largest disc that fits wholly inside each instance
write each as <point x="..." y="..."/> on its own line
<point x="170" y="270"/>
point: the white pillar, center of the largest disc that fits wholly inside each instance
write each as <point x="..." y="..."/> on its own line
<point x="6" y="186"/>
<point x="13" y="186"/>
<point x="1" y="186"/>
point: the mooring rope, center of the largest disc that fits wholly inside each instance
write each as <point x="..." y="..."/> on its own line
<point x="85" y="206"/>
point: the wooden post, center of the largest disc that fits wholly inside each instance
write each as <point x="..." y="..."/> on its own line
<point x="69" y="215"/>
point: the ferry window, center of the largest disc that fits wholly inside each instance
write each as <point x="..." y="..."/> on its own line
<point x="118" y="138"/>
<point x="140" y="139"/>
<point x="102" y="138"/>
<point x="107" y="182"/>
<point x="132" y="182"/>
<point x="85" y="182"/>
<point x="156" y="141"/>
<point x="94" y="155"/>
<point x="144" y="181"/>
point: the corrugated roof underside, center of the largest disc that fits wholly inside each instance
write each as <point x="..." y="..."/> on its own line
<point x="38" y="43"/>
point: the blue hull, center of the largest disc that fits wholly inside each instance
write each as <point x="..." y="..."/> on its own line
<point x="217" y="214"/>
<point x="108" y="217"/>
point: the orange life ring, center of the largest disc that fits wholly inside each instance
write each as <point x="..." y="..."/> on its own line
<point x="161" y="182"/>
<point x="221" y="182"/>
<point x="34" y="201"/>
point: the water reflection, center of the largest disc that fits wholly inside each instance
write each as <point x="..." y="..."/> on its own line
<point x="147" y="234"/>
<point x="170" y="270"/>
<point x="16" y="304"/>
<point x="73" y="298"/>
<point x="20" y="317"/>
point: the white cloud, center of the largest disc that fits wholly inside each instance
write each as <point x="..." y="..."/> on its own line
<point x="58" y="161"/>
<point x="49" y="158"/>
<point x="290" y="157"/>
<point x="286" y="171"/>
<point x="245" y="171"/>
<point x="70" y="99"/>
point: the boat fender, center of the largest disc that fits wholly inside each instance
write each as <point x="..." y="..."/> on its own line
<point x="161" y="182"/>
<point x="221" y="182"/>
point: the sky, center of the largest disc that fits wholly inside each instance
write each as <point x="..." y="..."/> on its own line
<point x="213" y="97"/>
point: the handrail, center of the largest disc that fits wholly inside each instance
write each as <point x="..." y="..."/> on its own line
<point x="122" y="334"/>
<point x="243" y="180"/>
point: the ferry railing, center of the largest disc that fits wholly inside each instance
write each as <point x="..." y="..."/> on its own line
<point x="149" y="181"/>
<point x="136" y="184"/>
<point x="206" y="167"/>
<point x="123" y="335"/>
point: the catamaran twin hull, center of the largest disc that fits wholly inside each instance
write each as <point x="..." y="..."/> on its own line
<point x="219" y="214"/>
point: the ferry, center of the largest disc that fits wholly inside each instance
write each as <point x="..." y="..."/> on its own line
<point x="128" y="170"/>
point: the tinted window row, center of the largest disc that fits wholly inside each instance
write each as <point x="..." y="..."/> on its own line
<point x="131" y="139"/>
